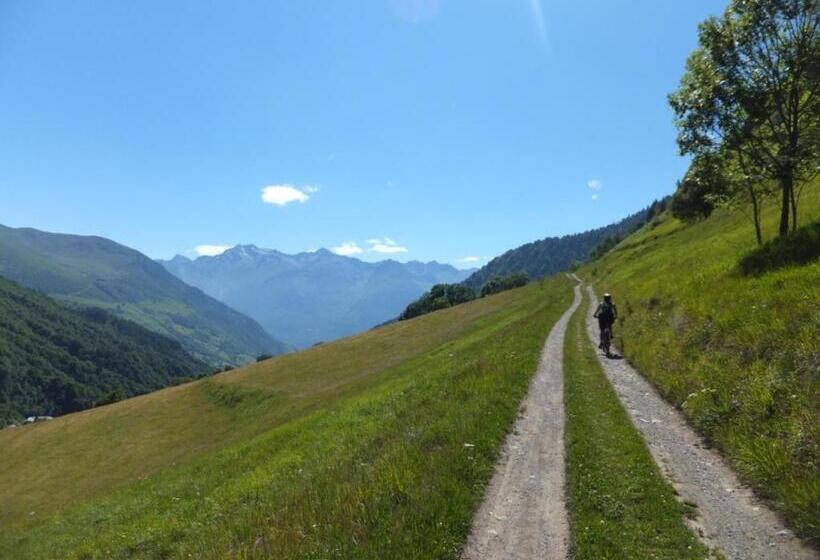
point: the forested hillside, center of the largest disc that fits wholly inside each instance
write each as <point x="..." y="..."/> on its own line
<point x="93" y="271"/>
<point x="553" y="254"/>
<point x="55" y="360"/>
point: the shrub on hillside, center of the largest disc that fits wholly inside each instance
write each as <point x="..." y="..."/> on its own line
<point x="605" y="246"/>
<point x="111" y="397"/>
<point x="440" y="296"/>
<point x="802" y="247"/>
<point x="503" y="283"/>
<point x="656" y="209"/>
<point x="695" y="196"/>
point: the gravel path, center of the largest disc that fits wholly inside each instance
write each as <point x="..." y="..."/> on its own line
<point x="523" y="515"/>
<point x="730" y="518"/>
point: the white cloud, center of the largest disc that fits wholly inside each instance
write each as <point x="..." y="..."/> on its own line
<point x="385" y="245"/>
<point x="471" y="259"/>
<point x="595" y="185"/>
<point x="211" y="250"/>
<point x="348" y="248"/>
<point x="281" y="195"/>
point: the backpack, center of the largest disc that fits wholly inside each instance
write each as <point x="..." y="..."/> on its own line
<point x="607" y="313"/>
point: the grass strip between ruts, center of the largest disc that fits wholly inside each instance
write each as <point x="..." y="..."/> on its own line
<point x="620" y="506"/>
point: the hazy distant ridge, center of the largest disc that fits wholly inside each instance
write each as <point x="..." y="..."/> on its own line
<point x="311" y="297"/>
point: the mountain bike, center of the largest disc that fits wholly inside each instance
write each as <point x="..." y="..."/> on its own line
<point x="606" y="340"/>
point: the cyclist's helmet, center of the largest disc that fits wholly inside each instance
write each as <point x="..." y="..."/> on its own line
<point x="607" y="297"/>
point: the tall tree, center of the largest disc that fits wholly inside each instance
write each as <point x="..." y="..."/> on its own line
<point x="751" y="88"/>
<point x="721" y="178"/>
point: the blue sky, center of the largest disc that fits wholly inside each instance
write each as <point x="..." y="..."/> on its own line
<point x="410" y="129"/>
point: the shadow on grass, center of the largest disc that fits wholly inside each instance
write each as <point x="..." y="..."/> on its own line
<point x="801" y="247"/>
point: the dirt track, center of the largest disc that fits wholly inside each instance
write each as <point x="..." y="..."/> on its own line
<point x="730" y="518"/>
<point x="523" y="515"/>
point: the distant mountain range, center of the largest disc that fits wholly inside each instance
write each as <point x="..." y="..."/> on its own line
<point x="311" y="297"/>
<point x="93" y="271"/>
<point x="54" y="359"/>
<point x="553" y="254"/>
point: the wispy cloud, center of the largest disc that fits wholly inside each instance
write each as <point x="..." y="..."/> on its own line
<point x="280" y="195"/>
<point x="385" y="245"/>
<point x="347" y="249"/>
<point x="595" y="185"/>
<point x="211" y="250"/>
<point x="471" y="260"/>
<point x="540" y="22"/>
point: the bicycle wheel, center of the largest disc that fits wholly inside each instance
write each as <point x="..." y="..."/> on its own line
<point x="606" y="340"/>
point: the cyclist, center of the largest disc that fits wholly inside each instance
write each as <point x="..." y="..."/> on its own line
<point x="606" y="313"/>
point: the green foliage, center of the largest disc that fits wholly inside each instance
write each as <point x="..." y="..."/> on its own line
<point x="738" y="354"/>
<point x="752" y="90"/>
<point x="503" y="283"/>
<point x="55" y="360"/>
<point x="440" y="296"/>
<point x="696" y="194"/>
<point x="799" y="249"/>
<point x="655" y="209"/>
<point x="376" y="446"/>
<point x="110" y="398"/>
<point x="620" y="506"/>
<point x="605" y="246"/>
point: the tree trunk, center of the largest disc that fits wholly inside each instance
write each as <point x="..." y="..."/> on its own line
<point x="786" y="186"/>
<point x="793" y="198"/>
<point x="756" y="214"/>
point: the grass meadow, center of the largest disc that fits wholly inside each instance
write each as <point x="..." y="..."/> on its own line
<point x="376" y="446"/>
<point x="738" y="353"/>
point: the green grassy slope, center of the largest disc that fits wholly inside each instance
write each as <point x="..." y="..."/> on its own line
<point x="93" y="271"/>
<point x="55" y="360"/>
<point x="740" y="355"/>
<point x="376" y="446"/>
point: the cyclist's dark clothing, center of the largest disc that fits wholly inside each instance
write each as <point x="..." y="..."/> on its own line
<point x="606" y="313"/>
